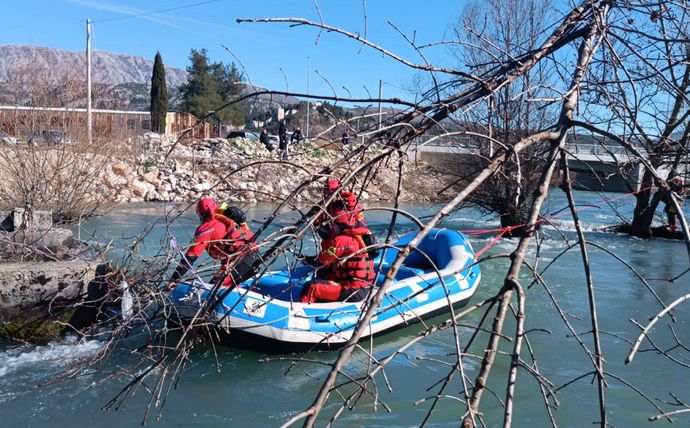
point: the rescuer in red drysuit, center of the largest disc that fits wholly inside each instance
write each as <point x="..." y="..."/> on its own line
<point x="345" y="271"/>
<point x="354" y="208"/>
<point x="225" y="241"/>
<point x="331" y="187"/>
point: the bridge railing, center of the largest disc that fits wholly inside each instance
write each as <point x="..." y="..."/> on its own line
<point x="598" y="149"/>
<point x="468" y="143"/>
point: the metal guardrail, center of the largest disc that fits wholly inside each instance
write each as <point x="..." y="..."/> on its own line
<point x="598" y="149"/>
<point x="574" y="148"/>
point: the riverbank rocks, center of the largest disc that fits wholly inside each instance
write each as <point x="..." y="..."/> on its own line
<point x="20" y="218"/>
<point x="30" y="235"/>
<point x="55" y="242"/>
<point x="158" y="168"/>
<point x="121" y="169"/>
<point x="26" y="285"/>
<point x="139" y="187"/>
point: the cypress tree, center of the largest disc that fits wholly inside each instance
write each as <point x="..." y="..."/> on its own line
<point x="159" y="96"/>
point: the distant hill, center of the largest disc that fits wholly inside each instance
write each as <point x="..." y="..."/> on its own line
<point x="127" y="77"/>
<point x="107" y="68"/>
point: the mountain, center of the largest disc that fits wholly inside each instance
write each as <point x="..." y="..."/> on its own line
<point x="53" y="77"/>
<point x="48" y="77"/>
<point x="120" y="81"/>
<point x="106" y="67"/>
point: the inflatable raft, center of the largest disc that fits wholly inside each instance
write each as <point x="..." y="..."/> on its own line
<point x="265" y="314"/>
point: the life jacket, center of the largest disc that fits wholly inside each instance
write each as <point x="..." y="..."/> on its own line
<point x="235" y="241"/>
<point x="356" y="271"/>
<point x="359" y="229"/>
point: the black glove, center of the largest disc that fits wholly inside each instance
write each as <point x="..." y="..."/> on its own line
<point x="183" y="267"/>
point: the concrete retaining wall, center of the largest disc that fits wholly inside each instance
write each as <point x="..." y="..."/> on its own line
<point x="30" y="288"/>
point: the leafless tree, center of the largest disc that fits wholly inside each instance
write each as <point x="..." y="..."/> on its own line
<point x="639" y="94"/>
<point x="53" y="167"/>
<point x="490" y="35"/>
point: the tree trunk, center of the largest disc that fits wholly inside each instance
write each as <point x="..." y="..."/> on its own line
<point x="643" y="214"/>
<point x="516" y="221"/>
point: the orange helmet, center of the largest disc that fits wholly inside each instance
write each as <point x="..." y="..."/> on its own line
<point x="206" y="207"/>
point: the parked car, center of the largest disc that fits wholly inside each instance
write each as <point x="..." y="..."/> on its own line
<point x="274" y="141"/>
<point x="50" y="136"/>
<point x="243" y="134"/>
<point x="7" y="139"/>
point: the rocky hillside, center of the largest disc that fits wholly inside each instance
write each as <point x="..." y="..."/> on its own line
<point x="240" y="170"/>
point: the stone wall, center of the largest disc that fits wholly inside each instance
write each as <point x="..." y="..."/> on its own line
<point x="40" y="279"/>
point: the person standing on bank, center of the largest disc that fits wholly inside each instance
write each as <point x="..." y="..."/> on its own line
<point x="296" y="136"/>
<point x="345" y="140"/>
<point x="282" y="135"/>
<point x="263" y="139"/>
<point x="677" y="192"/>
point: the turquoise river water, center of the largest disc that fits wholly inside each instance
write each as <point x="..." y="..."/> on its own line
<point x="250" y="393"/>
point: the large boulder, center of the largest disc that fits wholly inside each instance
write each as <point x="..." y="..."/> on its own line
<point x="19" y="218"/>
<point x="122" y="169"/>
<point x="31" y="235"/>
<point x="140" y="187"/>
<point x="202" y="187"/>
<point x="151" y="176"/>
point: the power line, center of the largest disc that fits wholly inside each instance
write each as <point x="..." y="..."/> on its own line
<point x="153" y="12"/>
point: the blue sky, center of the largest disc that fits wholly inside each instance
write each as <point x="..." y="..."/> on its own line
<point x="262" y="48"/>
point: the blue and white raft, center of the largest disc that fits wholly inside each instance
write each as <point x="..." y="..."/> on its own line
<point x="266" y="314"/>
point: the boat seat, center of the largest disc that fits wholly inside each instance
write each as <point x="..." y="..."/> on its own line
<point x="436" y="247"/>
<point x="280" y="285"/>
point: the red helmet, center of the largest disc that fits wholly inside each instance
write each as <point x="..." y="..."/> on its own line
<point x="341" y="216"/>
<point x="331" y="187"/>
<point x="678" y="181"/>
<point x="206" y="207"/>
<point x="349" y="197"/>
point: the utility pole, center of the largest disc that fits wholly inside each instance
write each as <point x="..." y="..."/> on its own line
<point x="306" y="130"/>
<point x="88" y="79"/>
<point x="380" y="96"/>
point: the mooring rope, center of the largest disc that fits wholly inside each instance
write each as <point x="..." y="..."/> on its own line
<point x="503" y="230"/>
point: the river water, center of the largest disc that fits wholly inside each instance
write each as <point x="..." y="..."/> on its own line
<point x="248" y="392"/>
